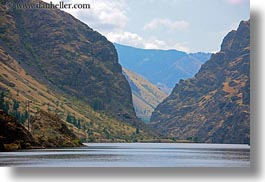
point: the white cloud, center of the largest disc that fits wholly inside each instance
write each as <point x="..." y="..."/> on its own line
<point x="126" y="38"/>
<point x="103" y="15"/>
<point x="167" y="24"/>
<point x="135" y="40"/>
<point x="110" y="18"/>
<point x="150" y="45"/>
<point x="181" y="47"/>
<point x="155" y="44"/>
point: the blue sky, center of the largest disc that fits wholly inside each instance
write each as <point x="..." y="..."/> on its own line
<point x="187" y="25"/>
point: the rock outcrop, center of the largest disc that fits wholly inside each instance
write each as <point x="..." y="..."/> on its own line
<point x="214" y="106"/>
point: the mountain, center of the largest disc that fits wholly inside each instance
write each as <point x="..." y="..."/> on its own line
<point x="17" y="87"/>
<point x="50" y="131"/>
<point x="213" y="106"/>
<point x="146" y="96"/>
<point x="163" y="68"/>
<point x="64" y="67"/>
<point x="47" y="130"/>
<point x="13" y="135"/>
<point x="66" y="54"/>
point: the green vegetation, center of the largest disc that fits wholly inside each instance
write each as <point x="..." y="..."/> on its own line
<point x="69" y="56"/>
<point x="86" y="123"/>
<point x="15" y="112"/>
<point x="65" y="69"/>
<point x="72" y="120"/>
<point x="193" y="139"/>
<point x="3" y="105"/>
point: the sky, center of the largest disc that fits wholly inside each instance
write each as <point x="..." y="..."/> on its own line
<point x="185" y="25"/>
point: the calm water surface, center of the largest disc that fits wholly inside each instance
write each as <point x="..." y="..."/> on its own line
<point x="132" y="155"/>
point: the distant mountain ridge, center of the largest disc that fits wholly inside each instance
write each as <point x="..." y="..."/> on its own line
<point x="163" y="68"/>
<point x="146" y="96"/>
<point x="213" y="106"/>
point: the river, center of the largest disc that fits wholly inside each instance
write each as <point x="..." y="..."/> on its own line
<point x="132" y="155"/>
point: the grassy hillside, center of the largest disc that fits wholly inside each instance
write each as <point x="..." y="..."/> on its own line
<point x="146" y="96"/>
<point x="52" y="62"/>
<point x="68" y="56"/>
<point x="19" y="86"/>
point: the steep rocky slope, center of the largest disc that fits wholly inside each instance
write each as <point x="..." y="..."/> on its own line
<point x="64" y="53"/>
<point x="146" y="96"/>
<point x="63" y="67"/>
<point x="18" y="86"/>
<point x="214" y="105"/>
